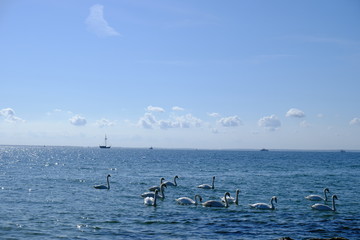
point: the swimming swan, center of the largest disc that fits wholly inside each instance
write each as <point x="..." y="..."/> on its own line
<point x="153" y="188"/>
<point x="207" y="186"/>
<point x="188" y="201"/>
<point x="322" y="207"/>
<point x="214" y="203"/>
<point x="231" y="199"/>
<point x="317" y="197"/>
<point x="265" y="206"/>
<point x="174" y="184"/>
<point x="103" y="186"/>
<point x="151" y="201"/>
<point x="152" y="194"/>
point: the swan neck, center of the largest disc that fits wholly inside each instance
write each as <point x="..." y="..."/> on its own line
<point x="213" y="183"/>
<point x="155" y="199"/>
<point x="108" y="183"/>
<point x="175" y="181"/>
<point x="325" y="195"/>
<point x="272" y="203"/>
<point x="333" y="204"/>
<point x="237" y="198"/>
<point x="226" y="201"/>
<point x="162" y="191"/>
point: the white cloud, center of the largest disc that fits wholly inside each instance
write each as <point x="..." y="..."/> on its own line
<point x="78" y="120"/>
<point x="97" y="24"/>
<point x="270" y="123"/>
<point x="214" y="114"/>
<point x="155" y="109"/>
<point x="232" y="121"/>
<point x="355" y="122"/>
<point x="149" y="121"/>
<point x="176" y="108"/>
<point x="293" y="112"/>
<point x="9" y="115"/>
<point x="104" y="123"/>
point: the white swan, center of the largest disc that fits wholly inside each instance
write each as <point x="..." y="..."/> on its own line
<point x="322" y="207"/>
<point x="103" y="186"/>
<point x="174" y="184"/>
<point x="152" y="194"/>
<point x="153" y="188"/>
<point x="151" y="201"/>
<point x="214" y="203"/>
<point x="265" y="206"/>
<point x="232" y="199"/>
<point x="207" y="186"/>
<point x="188" y="201"/>
<point x="317" y="197"/>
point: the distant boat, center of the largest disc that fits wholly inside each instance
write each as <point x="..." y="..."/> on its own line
<point x="264" y="150"/>
<point x="342" y="151"/>
<point x="105" y="146"/>
<point x="151" y="148"/>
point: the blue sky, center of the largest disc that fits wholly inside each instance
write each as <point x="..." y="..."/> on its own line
<point x="181" y="74"/>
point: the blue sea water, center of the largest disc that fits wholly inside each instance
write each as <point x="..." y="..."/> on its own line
<point x="47" y="193"/>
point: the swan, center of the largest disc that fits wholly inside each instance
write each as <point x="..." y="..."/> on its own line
<point x="152" y="194"/>
<point x="168" y="183"/>
<point x="317" y="197"/>
<point x="188" y="201"/>
<point x="153" y="188"/>
<point x="151" y="201"/>
<point x="231" y="199"/>
<point x="207" y="186"/>
<point x="103" y="186"/>
<point x="322" y="207"/>
<point x="265" y="206"/>
<point x="214" y="203"/>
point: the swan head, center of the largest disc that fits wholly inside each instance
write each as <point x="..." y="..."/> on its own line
<point x="108" y="175"/>
<point x="213" y="177"/>
<point x="326" y="190"/>
<point x="335" y="197"/>
<point x="162" y="179"/>
<point x="156" y="192"/>
<point x="227" y="194"/>
<point x="274" y="198"/>
<point x="237" y="191"/>
<point x="163" y="185"/>
<point x="176" y="176"/>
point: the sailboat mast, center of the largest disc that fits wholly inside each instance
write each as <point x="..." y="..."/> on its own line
<point x="105" y="140"/>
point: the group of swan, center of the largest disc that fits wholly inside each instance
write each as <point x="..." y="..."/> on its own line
<point x="151" y="197"/>
<point x="322" y="207"/>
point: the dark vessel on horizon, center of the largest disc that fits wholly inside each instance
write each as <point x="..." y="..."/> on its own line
<point x="105" y="146"/>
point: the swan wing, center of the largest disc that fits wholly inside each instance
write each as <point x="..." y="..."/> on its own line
<point x="314" y="198"/>
<point x="169" y="183"/>
<point x="204" y="186"/>
<point x="321" y="207"/>
<point x="260" y="206"/>
<point x="213" y="203"/>
<point x="149" y="201"/>
<point x="185" y="201"/>
<point x="230" y="199"/>
<point x="148" y="194"/>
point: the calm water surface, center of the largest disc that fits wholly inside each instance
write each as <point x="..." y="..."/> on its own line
<point x="47" y="193"/>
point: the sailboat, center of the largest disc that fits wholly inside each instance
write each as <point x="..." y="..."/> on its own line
<point x="105" y="146"/>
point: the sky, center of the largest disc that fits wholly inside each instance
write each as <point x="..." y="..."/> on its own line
<point x="181" y="74"/>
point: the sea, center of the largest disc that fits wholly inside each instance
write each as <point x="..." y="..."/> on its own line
<point x="47" y="193"/>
